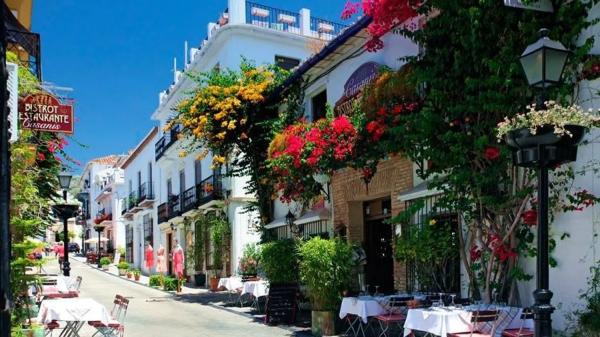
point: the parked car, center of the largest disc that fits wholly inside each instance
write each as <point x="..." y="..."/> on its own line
<point x="74" y="247"/>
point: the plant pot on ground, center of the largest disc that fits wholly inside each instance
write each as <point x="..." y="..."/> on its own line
<point x="123" y="269"/>
<point x="136" y="274"/>
<point x="104" y="263"/>
<point x="325" y="268"/>
<point x="214" y="283"/>
<point x="200" y="279"/>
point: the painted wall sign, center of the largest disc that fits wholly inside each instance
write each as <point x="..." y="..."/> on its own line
<point x="361" y="77"/>
<point x="44" y="112"/>
<point x="540" y="5"/>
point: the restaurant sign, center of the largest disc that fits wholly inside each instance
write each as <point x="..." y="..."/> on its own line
<point x="364" y="75"/>
<point x="44" y="112"/>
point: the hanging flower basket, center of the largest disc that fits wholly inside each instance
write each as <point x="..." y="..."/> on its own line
<point x="544" y="135"/>
<point x="557" y="149"/>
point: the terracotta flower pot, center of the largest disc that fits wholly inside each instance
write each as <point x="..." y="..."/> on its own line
<point x="323" y="323"/>
<point x="214" y="283"/>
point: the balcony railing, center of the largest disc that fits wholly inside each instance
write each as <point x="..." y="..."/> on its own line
<point x="324" y="29"/>
<point x="273" y="18"/>
<point x="146" y="192"/>
<point x="166" y="141"/>
<point x="207" y="190"/>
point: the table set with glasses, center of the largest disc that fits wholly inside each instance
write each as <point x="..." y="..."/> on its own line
<point x="446" y="317"/>
<point x="74" y="312"/>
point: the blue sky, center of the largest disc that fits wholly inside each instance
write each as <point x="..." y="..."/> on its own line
<point x="118" y="55"/>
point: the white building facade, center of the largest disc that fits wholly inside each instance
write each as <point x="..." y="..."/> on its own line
<point x="101" y="194"/>
<point x="261" y="34"/>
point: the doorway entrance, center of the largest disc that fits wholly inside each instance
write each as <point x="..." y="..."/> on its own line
<point x="169" y="251"/>
<point x="378" y="246"/>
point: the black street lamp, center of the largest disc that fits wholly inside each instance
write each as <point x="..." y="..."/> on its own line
<point x="99" y="228"/>
<point x="290" y="221"/>
<point x="543" y="63"/>
<point x="65" y="211"/>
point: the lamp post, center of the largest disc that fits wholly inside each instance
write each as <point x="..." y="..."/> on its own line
<point x="65" y="211"/>
<point x="99" y="228"/>
<point x="289" y="221"/>
<point x="543" y="63"/>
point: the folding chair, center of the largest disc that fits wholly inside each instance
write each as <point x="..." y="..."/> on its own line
<point x="522" y="331"/>
<point x="115" y="326"/>
<point x="481" y="316"/>
<point x="396" y="308"/>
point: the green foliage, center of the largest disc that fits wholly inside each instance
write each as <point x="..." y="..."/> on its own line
<point x="123" y="265"/>
<point x="279" y="261"/>
<point x="433" y="248"/>
<point x="197" y="251"/>
<point x="155" y="280"/>
<point x="250" y="258"/>
<point x="137" y="272"/>
<point x="170" y="284"/>
<point x="105" y="261"/>
<point x="325" y="268"/>
<point x="586" y="320"/>
<point x="28" y="82"/>
<point x="220" y="232"/>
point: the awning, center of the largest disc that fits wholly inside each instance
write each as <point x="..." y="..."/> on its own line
<point x="276" y="223"/>
<point x="314" y="215"/>
<point x="95" y="240"/>
<point x="419" y="191"/>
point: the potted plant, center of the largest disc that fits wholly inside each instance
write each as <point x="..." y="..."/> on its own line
<point x="104" y="262"/>
<point x="136" y="274"/>
<point x="123" y="268"/>
<point x="325" y="268"/>
<point x="555" y="129"/>
<point x="248" y="265"/>
<point x="214" y="279"/>
<point x="279" y="261"/>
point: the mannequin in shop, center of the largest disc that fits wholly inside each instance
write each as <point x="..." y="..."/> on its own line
<point x="161" y="266"/>
<point x="178" y="261"/>
<point x="149" y="257"/>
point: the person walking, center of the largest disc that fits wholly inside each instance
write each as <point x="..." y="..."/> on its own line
<point x="60" y="252"/>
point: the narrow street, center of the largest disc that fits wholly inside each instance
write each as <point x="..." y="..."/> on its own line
<point x="155" y="313"/>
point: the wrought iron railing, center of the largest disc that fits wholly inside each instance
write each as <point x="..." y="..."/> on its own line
<point x="273" y="18"/>
<point x="26" y="46"/>
<point x="209" y="189"/>
<point x="146" y="191"/>
<point x="166" y="141"/>
<point x="325" y="29"/>
<point x="306" y="231"/>
<point x="163" y="212"/>
<point x="132" y="200"/>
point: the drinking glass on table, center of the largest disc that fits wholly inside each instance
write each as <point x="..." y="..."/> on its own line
<point x="441" y="299"/>
<point x="453" y="304"/>
<point x="376" y="291"/>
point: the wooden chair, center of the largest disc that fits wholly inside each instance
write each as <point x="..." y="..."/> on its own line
<point x="522" y="331"/>
<point x="396" y="308"/>
<point x="481" y="316"/>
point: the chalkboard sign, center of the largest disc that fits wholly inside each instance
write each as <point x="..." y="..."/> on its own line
<point x="281" y="304"/>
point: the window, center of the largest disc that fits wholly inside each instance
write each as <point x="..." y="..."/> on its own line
<point x="148" y="229"/>
<point x="129" y="244"/>
<point x="169" y="188"/>
<point x="139" y="177"/>
<point x="286" y="63"/>
<point x="150" y="188"/>
<point x="181" y="182"/>
<point x="319" y="105"/>
<point x="197" y="171"/>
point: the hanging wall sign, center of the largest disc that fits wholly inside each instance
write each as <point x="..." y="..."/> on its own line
<point x="364" y="75"/>
<point x="44" y="112"/>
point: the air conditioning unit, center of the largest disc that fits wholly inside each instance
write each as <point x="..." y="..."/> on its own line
<point x="13" y="101"/>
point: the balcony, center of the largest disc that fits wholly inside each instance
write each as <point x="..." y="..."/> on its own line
<point x="286" y="21"/>
<point x="166" y="141"/>
<point x="133" y="203"/>
<point x="146" y="193"/>
<point x="201" y="195"/>
<point x="169" y="209"/>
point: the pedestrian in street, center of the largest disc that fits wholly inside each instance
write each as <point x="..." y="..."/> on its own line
<point x="60" y="252"/>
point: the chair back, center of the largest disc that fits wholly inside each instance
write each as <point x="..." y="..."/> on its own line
<point x="123" y="311"/>
<point x="77" y="283"/>
<point x="482" y="316"/>
<point x="114" y="312"/>
<point x="397" y="304"/>
<point x="526" y="314"/>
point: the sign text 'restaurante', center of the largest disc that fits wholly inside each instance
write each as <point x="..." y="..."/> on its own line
<point x="44" y="112"/>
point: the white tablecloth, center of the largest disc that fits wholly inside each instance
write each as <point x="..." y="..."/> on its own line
<point x="231" y="283"/>
<point x="256" y="288"/>
<point x="65" y="283"/>
<point x="441" y="321"/>
<point x="363" y="307"/>
<point x="72" y="310"/>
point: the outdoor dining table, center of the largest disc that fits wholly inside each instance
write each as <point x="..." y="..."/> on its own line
<point x="231" y="283"/>
<point x="75" y="312"/>
<point x="257" y="289"/>
<point x="440" y="321"/>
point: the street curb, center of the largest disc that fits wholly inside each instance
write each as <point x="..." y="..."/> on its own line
<point x="126" y="279"/>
